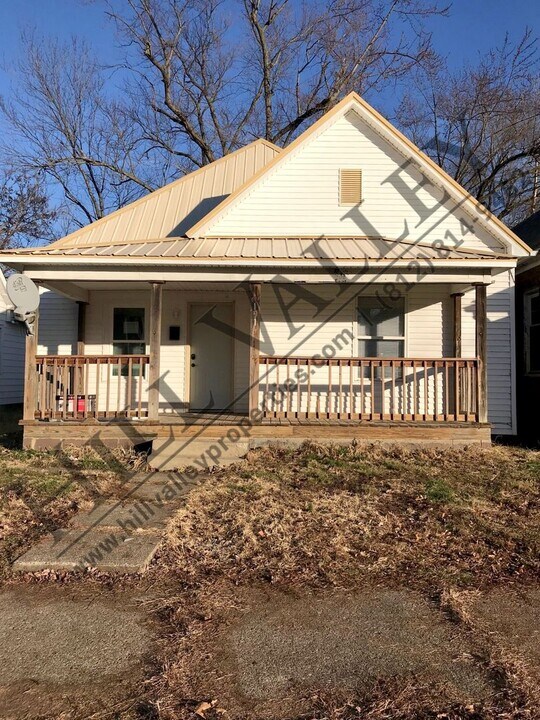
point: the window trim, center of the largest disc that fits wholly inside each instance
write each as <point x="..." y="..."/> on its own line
<point x="403" y="338"/>
<point x="528" y="295"/>
<point x="136" y="369"/>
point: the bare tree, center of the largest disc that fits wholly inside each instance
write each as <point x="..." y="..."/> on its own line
<point x="65" y="125"/>
<point x="482" y="125"/>
<point x="200" y="78"/>
<point x="217" y="74"/>
<point x="25" y="215"/>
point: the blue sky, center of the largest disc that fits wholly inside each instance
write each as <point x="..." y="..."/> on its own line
<point x="473" y="27"/>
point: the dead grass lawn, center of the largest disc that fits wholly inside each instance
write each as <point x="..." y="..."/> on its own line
<point x="332" y="516"/>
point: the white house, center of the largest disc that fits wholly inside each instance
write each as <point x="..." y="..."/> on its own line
<point x="342" y="287"/>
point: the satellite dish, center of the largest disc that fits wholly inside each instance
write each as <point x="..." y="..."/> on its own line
<point x="23" y="293"/>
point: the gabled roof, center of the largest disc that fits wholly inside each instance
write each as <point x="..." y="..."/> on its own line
<point x="172" y="209"/>
<point x="436" y="175"/>
<point x="175" y="222"/>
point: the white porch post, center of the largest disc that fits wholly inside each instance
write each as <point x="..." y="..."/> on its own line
<point x="254" y="294"/>
<point x="30" y="374"/>
<point x="156" y="301"/>
<point x="481" y="350"/>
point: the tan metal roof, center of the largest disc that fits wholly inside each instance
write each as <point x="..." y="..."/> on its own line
<point x="267" y="249"/>
<point x="172" y="209"/>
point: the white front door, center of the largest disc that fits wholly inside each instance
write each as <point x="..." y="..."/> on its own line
<point x="211" y="356"/>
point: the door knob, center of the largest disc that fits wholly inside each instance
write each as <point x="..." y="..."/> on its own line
<point x="192" y="364"/>
<point x="193" y="356"/>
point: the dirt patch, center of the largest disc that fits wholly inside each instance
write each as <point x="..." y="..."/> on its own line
<point x="61" y="649"/>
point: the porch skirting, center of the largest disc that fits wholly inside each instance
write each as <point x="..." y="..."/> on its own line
<point x="232" y="428"/>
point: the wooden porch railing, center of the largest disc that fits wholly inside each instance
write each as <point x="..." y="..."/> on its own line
<point x="86" y="386"/>
<point x="392" y="389"/>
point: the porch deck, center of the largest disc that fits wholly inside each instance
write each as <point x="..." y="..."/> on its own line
<point x="217" y="427"/>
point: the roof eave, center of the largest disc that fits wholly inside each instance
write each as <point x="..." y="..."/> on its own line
<point x="18" y="262"/>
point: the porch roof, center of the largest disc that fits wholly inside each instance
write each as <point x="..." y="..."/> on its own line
<point x="304" y="250"/>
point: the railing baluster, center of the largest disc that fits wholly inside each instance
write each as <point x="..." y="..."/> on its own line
<point x="119" y="386"/>
<point x="456" y="391"/>
<point x="351" y="391"/>
<point x="98" y="372"/>
<point x="108" y="390"/>
<point x="288" y="407"/>
<point x="129" y="387"/>
<point x="426" y="391"/>
<point x="279" y="395"/>
<point x="86" y="374"/>
<point x="329" y="397"/>
<point x="436" y="391"/>
<point x="139" y="388"/>
<point x="372" y="391"/>
<point x="308" y="408"/>
<point x="403" y="392"/>
<point x="446" y="395"/>
<point x="298" y="389"/>
<point x="65" y="388"/>
<point x="392" y="390"/>
<point x="340" y="381"/>
<point x="43" y="394"/>
<point x="362" y="399"/>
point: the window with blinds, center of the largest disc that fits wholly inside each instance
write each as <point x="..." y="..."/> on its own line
<point x="350" y="186"/>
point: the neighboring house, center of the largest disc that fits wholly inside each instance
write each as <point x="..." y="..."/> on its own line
<point x="11" y="352"/>
<point x="342" y="287"/>
<point x="528" y="331"/>
<point x="59" y="317"/>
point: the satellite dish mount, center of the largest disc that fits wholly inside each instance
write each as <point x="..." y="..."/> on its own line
<point x="24" y="294"/>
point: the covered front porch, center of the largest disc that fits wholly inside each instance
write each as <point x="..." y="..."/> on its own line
<point x="322" y="388"/>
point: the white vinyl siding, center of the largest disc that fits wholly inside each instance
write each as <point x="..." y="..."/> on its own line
<point x="12" y="344"/>
<point x="57" y="335"/>
<point x="57" y="328"/>
<point x="304" y="190"/>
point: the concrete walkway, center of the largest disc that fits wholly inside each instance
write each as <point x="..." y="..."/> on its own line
<point x="69" y="652"/>
<point x="120" y="534"/>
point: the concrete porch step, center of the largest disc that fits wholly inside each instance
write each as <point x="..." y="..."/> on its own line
<point x="202" y="453"/>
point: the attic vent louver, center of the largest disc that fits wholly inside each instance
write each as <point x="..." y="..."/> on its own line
<point x="350" y="186"/>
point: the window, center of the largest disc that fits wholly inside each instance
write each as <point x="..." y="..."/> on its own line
<point x="532" y="331"/>
<point x="350" y="186"/>
<point x="128" y="336"/>
<point x="381" y="327"/>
